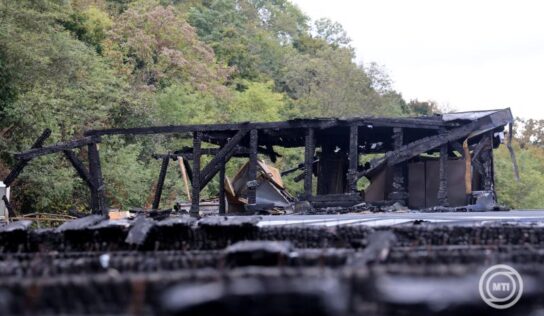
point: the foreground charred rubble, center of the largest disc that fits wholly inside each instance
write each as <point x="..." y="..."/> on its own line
<point x="265" y="266"/>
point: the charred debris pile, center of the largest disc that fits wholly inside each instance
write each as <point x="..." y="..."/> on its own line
<point x="440" y="162"/>
<point x="242" y="265"/>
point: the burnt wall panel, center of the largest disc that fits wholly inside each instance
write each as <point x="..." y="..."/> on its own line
<point x="416" y="185"/>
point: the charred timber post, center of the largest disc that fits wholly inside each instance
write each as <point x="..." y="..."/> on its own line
<point x="11" y="211"/>
<point x="309" y="151"/>
<point x="21" y="164"/>
<point x="398" y="192"/>
<point x="487" y="162"/>
<point x="353" y="158"/>
<point x="443" y="175"/>
<point x="252" y="170"/>
<point x="195" y="198"/>
<point x="98" y="198"/>
<point x="222" y="204"/>
<point x="160" y="182"/>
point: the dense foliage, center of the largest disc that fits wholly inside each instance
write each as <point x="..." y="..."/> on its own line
<point x="72" y="65"/>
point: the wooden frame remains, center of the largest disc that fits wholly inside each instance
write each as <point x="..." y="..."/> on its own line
<point x="338" y="142"/>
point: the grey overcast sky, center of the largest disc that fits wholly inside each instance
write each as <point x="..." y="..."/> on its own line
<point x="468" y="55"/>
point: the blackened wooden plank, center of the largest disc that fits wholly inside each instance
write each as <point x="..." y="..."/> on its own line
<point x="486" y="123"/>
<point x="309" y="151"/>
<point x="298" y="123"/>
<point x="188" y="169"/>
<point x="195" y="199"/>
<point x="252" y="168"/>
<point x="353" y="158"/>
<point x="222" y="202"/>
<point x="160" y="182"/>
<point x="37" y="152"/>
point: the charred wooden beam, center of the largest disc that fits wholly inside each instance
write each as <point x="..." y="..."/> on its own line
<point x="417" y="123"/>
<point x="252" y="168"/>
<point x="224" y="154"/>
<point x="353" y="158"/>
<point x="195" y="199"/>
<point x="37" y="152"/>
<point x="222" y="202"/>
<point x="11" y="211"/>
<point x="80" y="168"/>
<point x="309" y="151"/>
<point x="398" y="192"/>
<point x="21" y="164"/>
<point x="98" y="197"/>
<point x="481" y="125"/>
<point x="298" y="123"/>
<point x="188" y="169"/>
<point x="160" y="182"/>
<point x="443" y="177"/>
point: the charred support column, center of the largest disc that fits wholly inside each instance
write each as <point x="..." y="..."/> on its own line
<point x="11" y="211"/>
<point x="487" y="163"/>
<point x="252" y="170"/>
<point x="195" y="194"/>
<point x="309" y="151"/>
<point x="222" y="204"/>
<point x="398" y="192"/>
<point x="468" y="173"/>
<point x="443" y="176"/>
<point x="160" y="182"/>
<point x="353" y="158"/>
<point x="98" y="197"/>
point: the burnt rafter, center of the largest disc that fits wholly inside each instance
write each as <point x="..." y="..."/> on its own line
<point x="59" y="147"/>
<point x="320" y="123"/>
<point x="495" y="120"/>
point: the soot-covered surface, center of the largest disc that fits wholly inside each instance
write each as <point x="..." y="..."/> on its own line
<point x="371" y="264"/>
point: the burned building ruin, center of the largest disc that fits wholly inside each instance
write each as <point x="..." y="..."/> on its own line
<point x="420" y="162"/>
<point x="345" y="249"/>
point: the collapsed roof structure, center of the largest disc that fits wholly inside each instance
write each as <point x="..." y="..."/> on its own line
<point x="422" y="162"/>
